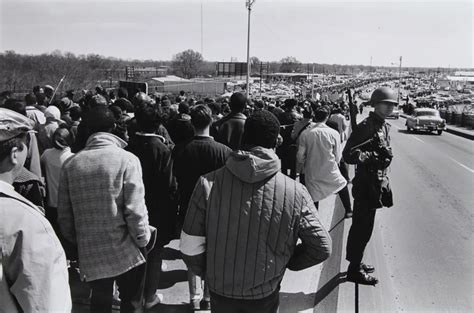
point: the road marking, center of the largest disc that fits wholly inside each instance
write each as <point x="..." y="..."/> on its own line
<point x="460" y="164"/>
<point x="417" y="139"/>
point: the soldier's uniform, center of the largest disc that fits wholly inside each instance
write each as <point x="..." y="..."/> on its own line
<point x="369" y="148"/>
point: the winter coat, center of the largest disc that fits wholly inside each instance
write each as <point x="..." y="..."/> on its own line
<point x="101" y="207"/>
<point x="243" y="224"/>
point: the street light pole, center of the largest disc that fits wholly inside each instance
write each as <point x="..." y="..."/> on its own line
<point x="399" y="78"/>
<point x="248" y="4"/>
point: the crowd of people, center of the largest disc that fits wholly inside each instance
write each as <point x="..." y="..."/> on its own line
<point x="118" y="176"/>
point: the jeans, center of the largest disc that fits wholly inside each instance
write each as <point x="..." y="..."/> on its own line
<point x="130" y="284"/>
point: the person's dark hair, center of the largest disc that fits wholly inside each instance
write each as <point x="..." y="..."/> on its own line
<point x="15" y="142"/>
<point x="261" y="129"/>
<point x="122" y="92"/>
<point x="307" y="112"/>
<point x="290" y="103"/>
<point x="111" y="94"/>
<point x="30" y="99"/>
<point x="15" y="105"/>
<point x="41" y="99"/>
<point x="181" y="93"/>
<point x="148" y="119"/>
<point x="201" y="116"/>
<point x="238" y="102"/>
<point x="321" y="113"/>
<point x="124" y="105"/>
<point x="76" y="113"/>
<point x="61" y="138"/>
<point x="98" y="100"/>
<point x="36" y="89"/>
<point x="183" y="107"/>
<point x="140" y="99"/>
<point x="215" y="107"/>
<point x="6" y="94"/>
<point x="116" y="110"/>
<point x="100" y="119"/>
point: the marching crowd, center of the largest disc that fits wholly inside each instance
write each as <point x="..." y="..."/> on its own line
<point x="117" y="176"/>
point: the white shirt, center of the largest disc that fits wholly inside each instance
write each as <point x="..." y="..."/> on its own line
<point x="52" y="160"/>
<point x="319" y="153"/>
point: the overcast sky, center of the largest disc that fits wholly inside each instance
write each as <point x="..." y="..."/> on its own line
<point x="426" y="33"/>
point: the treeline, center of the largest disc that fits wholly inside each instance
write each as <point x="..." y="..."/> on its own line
<point x="20" y="72"/>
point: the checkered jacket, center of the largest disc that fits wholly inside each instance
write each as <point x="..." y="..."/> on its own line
<point x="101" y="207"/>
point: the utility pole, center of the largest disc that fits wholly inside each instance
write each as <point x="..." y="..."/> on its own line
<point x="399" y="78"/>
<point x="248" y="4"/>
<point x="202" y="42"/>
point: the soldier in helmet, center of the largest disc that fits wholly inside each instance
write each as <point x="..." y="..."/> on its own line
<point x="369" y="148"/>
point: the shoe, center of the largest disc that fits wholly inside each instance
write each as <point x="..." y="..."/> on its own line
<point x="205" y="304"/>
<point x="158" y="298"/>
<point x="367" y="268"/>
<point x="348" y="214"/>
<point x="362" y="278"/>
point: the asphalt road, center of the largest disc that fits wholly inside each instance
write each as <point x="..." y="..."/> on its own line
<point x="422" y="247"/>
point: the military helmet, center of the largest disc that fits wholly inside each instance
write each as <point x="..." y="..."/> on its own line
<point x="383" y="94"/>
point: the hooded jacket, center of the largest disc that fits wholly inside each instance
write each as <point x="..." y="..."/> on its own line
<point x="243" y="223"/>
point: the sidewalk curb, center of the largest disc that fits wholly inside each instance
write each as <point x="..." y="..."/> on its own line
<point x="452" y="131"/>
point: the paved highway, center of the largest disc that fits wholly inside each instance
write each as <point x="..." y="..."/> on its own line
<point x="422" y="246"/>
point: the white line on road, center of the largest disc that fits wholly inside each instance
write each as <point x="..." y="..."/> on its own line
<point x="460" y="164"/>
<point x="417" y="138"/>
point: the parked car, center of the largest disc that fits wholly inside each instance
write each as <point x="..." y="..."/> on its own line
<point x="425" y="119"/>
<point x="395" y="114"/>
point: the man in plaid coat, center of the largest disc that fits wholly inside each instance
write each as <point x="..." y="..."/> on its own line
<point x="101" y="208"/>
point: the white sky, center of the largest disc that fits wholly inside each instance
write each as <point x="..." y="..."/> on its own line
<point x="426" y="33"/>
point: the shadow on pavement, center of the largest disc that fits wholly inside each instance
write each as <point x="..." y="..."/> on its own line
<point x="170" y="278"/>
<point x="295" y="302"/>
<point x="171" y="308"/>
<point x="326" y="289"/>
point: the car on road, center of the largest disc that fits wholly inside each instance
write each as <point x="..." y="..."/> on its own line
<point x="425" y="119"/>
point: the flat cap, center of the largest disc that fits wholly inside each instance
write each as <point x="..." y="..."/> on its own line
<point x="13" y="124"/>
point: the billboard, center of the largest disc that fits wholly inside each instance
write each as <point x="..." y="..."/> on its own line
<point x="230" y="69"/>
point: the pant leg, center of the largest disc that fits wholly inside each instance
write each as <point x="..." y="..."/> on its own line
<point x="345" y="198"/>
<point x="101" y="299"/>
<point x="153" y="272"/>
<point x="195" y="287"/>
<point x="360" y="232"/>
<point x="131" y="285"/>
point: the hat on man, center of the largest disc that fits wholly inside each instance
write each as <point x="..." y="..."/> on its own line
<point x="13" y="124"/>
<point x="383" y="95"/>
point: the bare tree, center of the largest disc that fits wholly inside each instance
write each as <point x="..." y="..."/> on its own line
<point x="187" y="63"/>
<point x="289" y="65"/>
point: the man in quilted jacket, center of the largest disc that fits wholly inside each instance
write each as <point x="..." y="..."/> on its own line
<point x="243" y="223"/>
